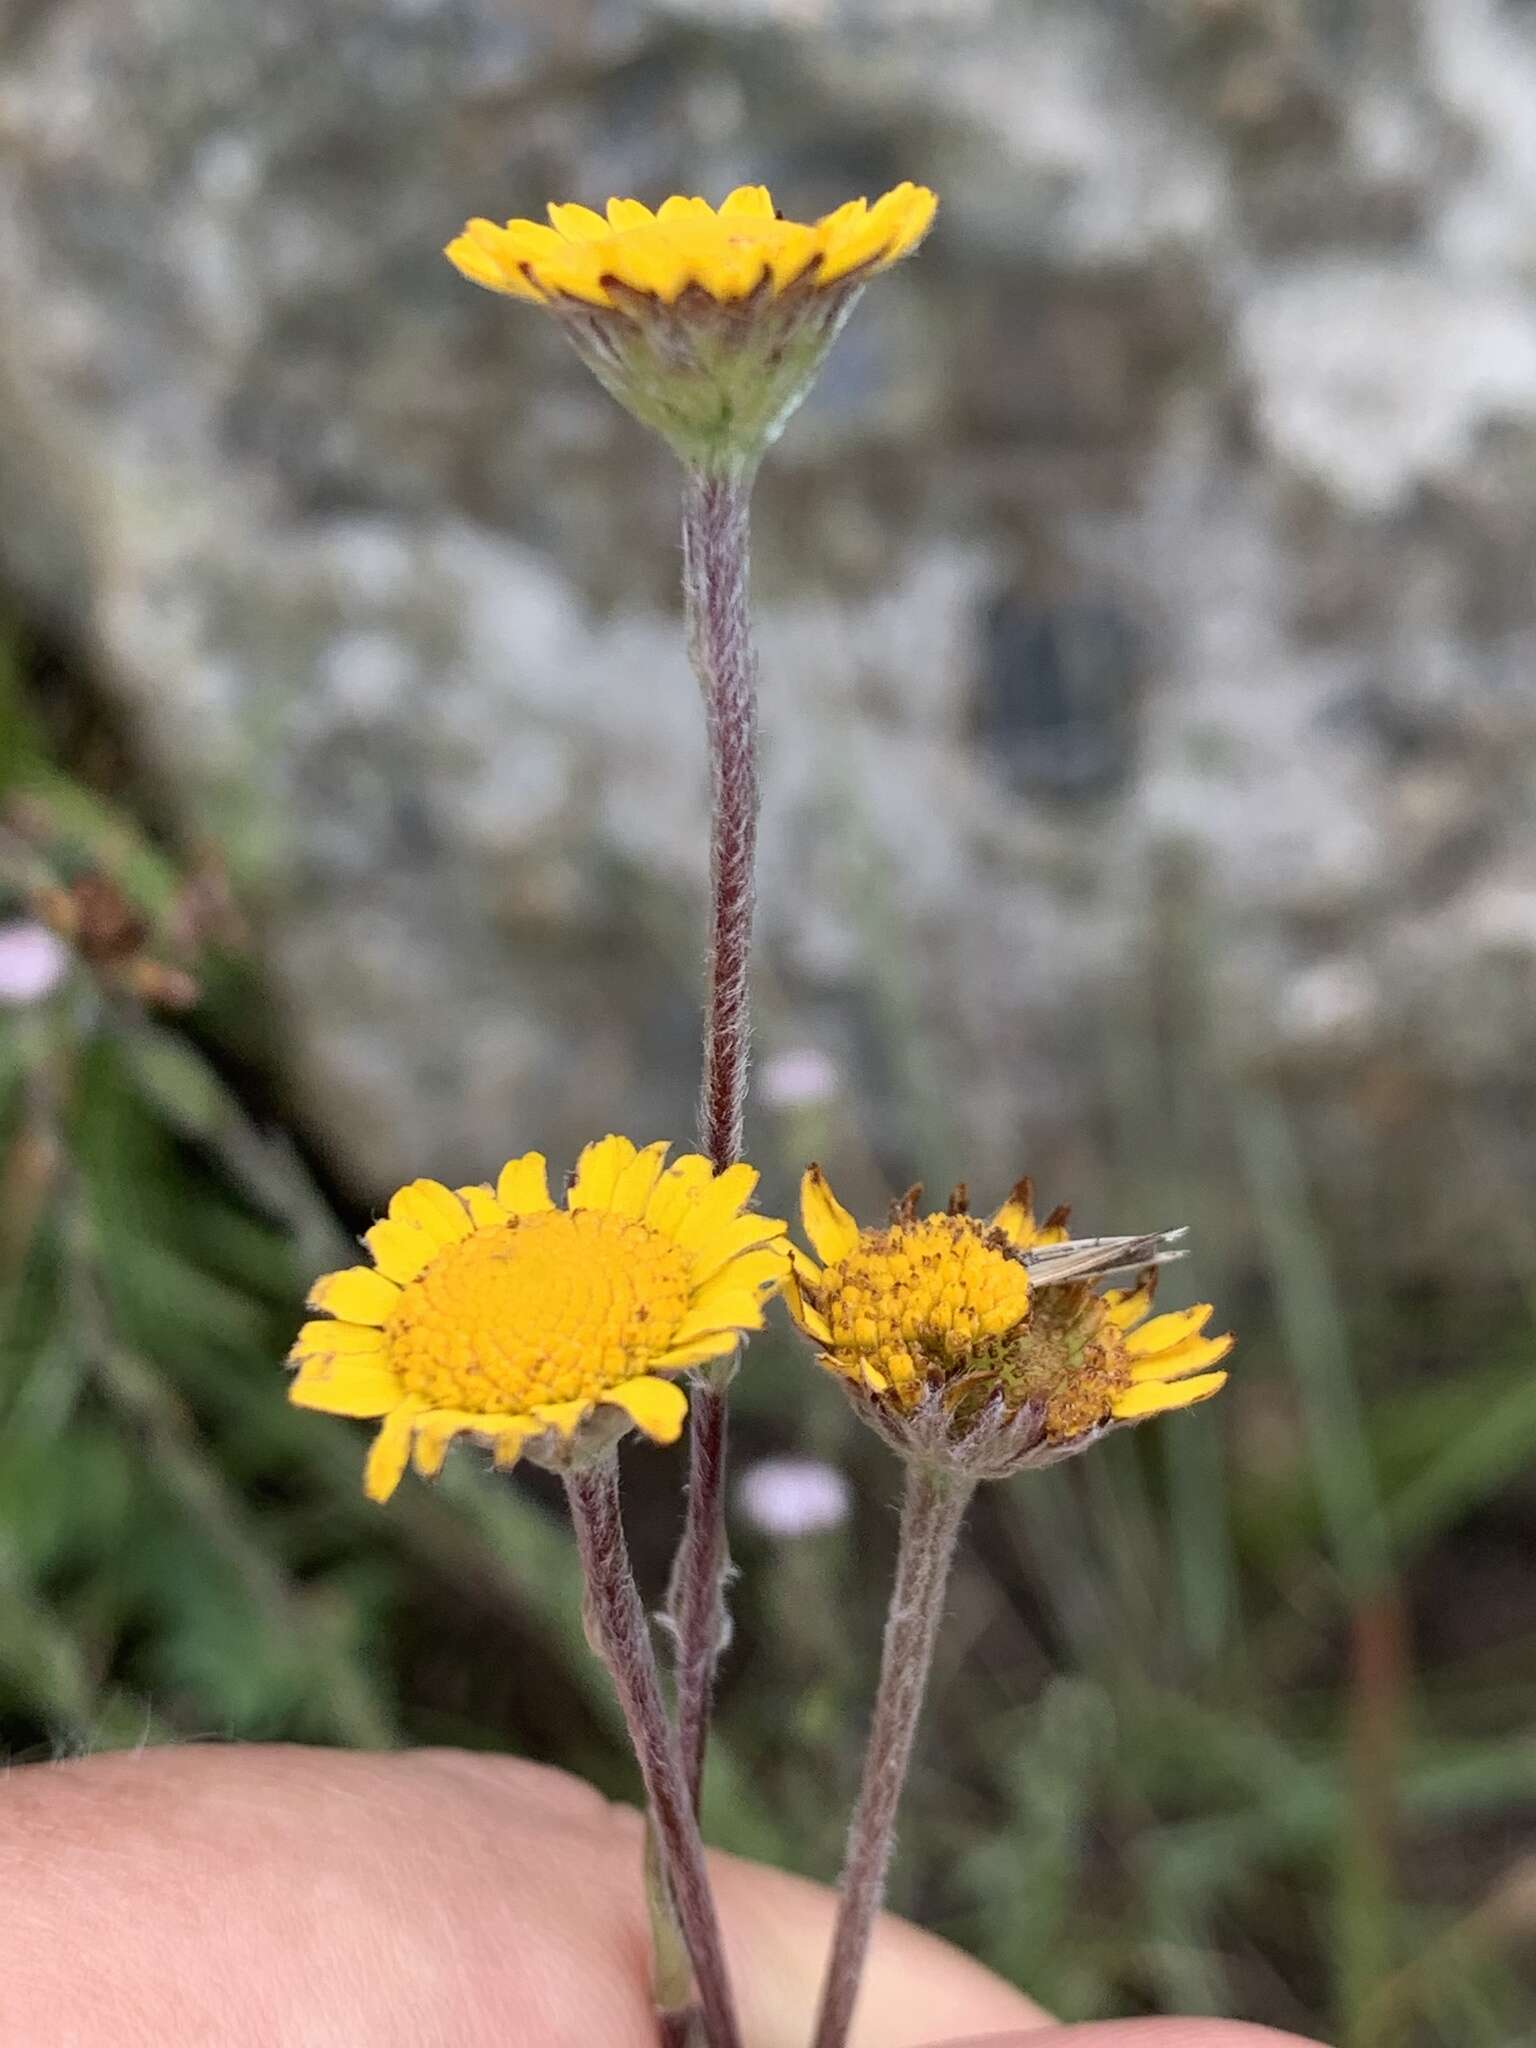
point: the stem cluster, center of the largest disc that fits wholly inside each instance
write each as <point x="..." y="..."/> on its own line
<point x="715" y="560"/>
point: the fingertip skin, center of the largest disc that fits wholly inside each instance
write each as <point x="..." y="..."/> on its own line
<point x="233" y="1897"/>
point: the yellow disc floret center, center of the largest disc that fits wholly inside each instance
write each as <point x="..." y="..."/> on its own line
<point x="935" y="1290"/>
<point x="558" y="1306"/>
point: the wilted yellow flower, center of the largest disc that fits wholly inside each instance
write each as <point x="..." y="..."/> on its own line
<point x="492" y="1313"/>
<point x="960" y="1353"/>
<point x="708" y="325"/>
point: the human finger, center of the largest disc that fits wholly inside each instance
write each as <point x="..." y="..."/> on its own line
<point x="239" y="1896"/>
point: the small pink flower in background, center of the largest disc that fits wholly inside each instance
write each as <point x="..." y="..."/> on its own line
<point x="801" y="1077"/>
<point x="33" y="962"/>
<point x="787" y="1497"/>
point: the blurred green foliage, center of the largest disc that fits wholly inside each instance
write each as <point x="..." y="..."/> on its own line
<point x="1232" y="1717"/>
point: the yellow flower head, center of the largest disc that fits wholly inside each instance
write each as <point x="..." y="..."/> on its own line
<point x="495" y="1314"/>
<point x="980" y="1343"/>
<point x="708" y="325"/>
<point x="687" y="246"/>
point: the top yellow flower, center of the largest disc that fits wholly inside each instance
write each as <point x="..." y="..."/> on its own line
<point x="707" y="324"/>
<point x="727" y="255"/>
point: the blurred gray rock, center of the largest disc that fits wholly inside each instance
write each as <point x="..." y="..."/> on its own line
<point x="1146" y="593"/>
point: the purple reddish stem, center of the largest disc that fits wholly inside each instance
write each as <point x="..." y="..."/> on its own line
<point x="617" y="1621"/>
<point x="698" y="1580"/>
<point x="720" y="645"/>
<point x="715" y="558"/>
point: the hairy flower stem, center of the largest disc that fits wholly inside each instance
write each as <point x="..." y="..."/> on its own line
<point x="931" y="1514"/>
<point x="617" y="1623"/>
<point x="720" y="647"/>
<point x="699" y="1575"/>
<point x="715" y="528"/>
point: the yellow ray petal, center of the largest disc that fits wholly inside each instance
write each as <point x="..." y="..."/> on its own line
<point x="733" y="1240"/>
<point x="432" y="1208"/>
<point x="578" y="223"/>
<point x="811" y="1320"/>
<point x="792" y="252"/>
<point x="511" y="1432"/>
<point x="400" y="1250"/>
<point x="759" y="1272"/>
<point x="849" y="249"/>
<point x="747" y="202"/>
<point x="529" y="241"/>
<point x="859" y="1370"/>
<point x="677" y="210"/>
<point x="1125" y="1306"/>
<point x="575" y="269"/>
<point x="659" y="1407"/>
<point x="677" y="1191"/>
<point x="897" y="209"/>
<point x="624" y="214"/>
<point x="1163" y="1332"/>
<point x="562" y="1415"/>
<point x="647" y="263"/>
<point x="717" y="1344"/>
<point x="1156" y="1397"/>
<point x="485" y="234"/>
<point x="522" y="1187"/>
<point x="729" y="271"/>
<point x="1016" y="1218"/>
<point x="726" y="1309"/>
<point x="912" y="209"/>
<point x="633" y="1189"/>
<point x="358" y="1294"/>
<point x="439" y="1426"/>
<point x="435" y="1432"/>
<point x="488" y="267"/>
<point x="389" y="1451"/>
<point x="485" y="1212"/>
<point x="335" y="1340"/>
<point x="1193" y="1355"/>
<point x="832" y="1231"/>
<point x="715" y="1205"/>
<point x="597" y="1172"/>
<point x="345" y="1386"/>
<point x="842" y="217"/>
<point x="872" y="237"/>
